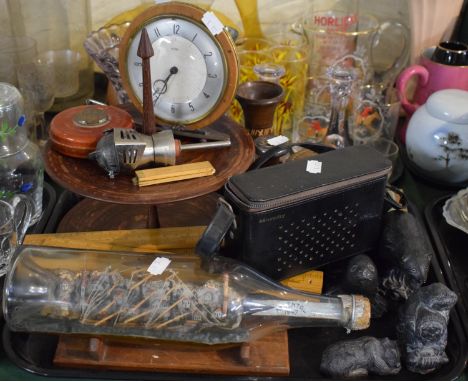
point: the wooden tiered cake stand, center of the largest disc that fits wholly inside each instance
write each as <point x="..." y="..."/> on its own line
<point x="85" y="178"/>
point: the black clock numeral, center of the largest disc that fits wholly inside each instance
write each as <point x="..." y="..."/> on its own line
<point x="176" y="28"/>
<point x="157" y="33"/>
<point x="209" y="54"/>
<point x="140" y="84"/>
<point x="194" y="37"/>
<point x="206" y="95"/>
<point x="136" y="63"/>
<point x="191" y="106"/>
<point x="212" y="75"/>
<point x="172" y="109"/>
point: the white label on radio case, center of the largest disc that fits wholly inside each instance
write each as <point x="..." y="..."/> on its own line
<point x="159" y="265"/>
<point x="314" y="166"/>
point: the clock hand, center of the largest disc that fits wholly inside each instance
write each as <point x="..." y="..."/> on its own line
<point x="158" y="91"/>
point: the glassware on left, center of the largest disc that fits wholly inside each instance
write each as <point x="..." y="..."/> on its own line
<point x="37" y="85"/>
<point x="15" y="51"/>
<point x="21" y="166"/>
<point x="57" y="290"/>
<point x="59" y="31"/>
<point x="15" y="219"/>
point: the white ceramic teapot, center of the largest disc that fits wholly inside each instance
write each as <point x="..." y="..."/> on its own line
<point x="437" y="137"/>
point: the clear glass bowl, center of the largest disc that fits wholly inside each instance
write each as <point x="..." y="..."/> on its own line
<point x="103" y="47"/>
<point x="455" y="210"/>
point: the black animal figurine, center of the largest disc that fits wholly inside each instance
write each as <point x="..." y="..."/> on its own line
<point x="403" y="256"/>
<point x="358" y="277"/>
<point x="422" y="327"/>
<point x="356" y="358"/>
<point x="361" y="276"/>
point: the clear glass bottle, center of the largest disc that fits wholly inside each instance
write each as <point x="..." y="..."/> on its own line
<point x="21" y="166"/>
<point x="58" y="290"/>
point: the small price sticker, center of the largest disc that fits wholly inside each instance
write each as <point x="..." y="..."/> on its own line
<point x="212" y="23"/>
<point x="276" y="141"/>
<point x="159" y="265"/>
<point x="314" y="166"/>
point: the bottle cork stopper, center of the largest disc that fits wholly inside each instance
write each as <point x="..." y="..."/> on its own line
<point x="358" y="310"/>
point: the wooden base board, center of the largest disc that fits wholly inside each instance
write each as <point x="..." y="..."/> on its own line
<point x="268" y="356"/>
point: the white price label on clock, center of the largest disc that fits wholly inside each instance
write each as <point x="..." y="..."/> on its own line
<point x="212" y="23"/>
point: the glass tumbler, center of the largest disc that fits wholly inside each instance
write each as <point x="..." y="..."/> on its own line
<point x="15" y="51"/>
<point x="295" y="62"/>
<point x="58" y="25"/>
<point x="15" y="218"/>
<point x="374" y="113"/>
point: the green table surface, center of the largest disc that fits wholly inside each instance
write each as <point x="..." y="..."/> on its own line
<point x="419" y="192"/>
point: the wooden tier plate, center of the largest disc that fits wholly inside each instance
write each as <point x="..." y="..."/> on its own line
<point x="94" y="215"/>
<point x="85" y="177"/>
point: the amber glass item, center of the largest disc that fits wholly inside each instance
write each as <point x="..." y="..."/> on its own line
<point x="21" y="167"/>
<point x="56" y="290"/>
<point x="249" y="15"/>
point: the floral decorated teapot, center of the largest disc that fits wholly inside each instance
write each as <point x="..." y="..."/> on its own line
<point x="437" y="137"/>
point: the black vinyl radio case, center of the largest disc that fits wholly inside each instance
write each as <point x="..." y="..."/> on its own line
<point x="288" y="220"/>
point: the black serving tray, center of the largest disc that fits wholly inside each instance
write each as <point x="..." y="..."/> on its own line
<point x="35" y="352"/>
<point x="451" y="245"/>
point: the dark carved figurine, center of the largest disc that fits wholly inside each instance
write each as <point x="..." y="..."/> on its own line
<point x="422" y="327"/>
<point x="356" y="358"/>
<point x="361" y="276"/>
<point x="404" y="255"/>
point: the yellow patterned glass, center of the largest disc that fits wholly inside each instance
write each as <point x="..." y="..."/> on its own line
<point x="294" y="60"/>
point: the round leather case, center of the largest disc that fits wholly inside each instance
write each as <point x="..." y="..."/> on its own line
<point x="76" y="131"/>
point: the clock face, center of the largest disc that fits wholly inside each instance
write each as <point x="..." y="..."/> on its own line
<point x="189" y="70"/>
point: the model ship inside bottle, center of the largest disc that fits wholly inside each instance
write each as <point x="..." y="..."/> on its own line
<point x="105" y="293"/>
